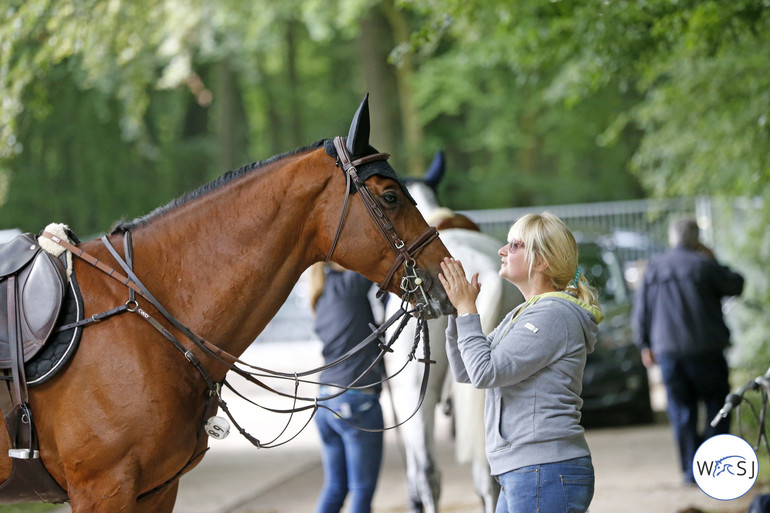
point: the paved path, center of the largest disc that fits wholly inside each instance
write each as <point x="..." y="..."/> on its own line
<point x="635" y="472"/>
<point x="635" y="468"/>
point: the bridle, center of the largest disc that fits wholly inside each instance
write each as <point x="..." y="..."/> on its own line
<point x="411" y="283"/>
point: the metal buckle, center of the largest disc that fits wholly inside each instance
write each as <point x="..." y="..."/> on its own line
<point x="411" y="283"/>
<point x="23" y="454"/>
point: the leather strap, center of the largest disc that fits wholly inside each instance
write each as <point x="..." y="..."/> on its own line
<point x="369" y="158"/>
<point x="381" y="220"/>
<point x="14" y="343"/>
<point x="412" y="249"/>
<point x="219" y="354"/>
<point x="19" y="418"/>
<point x="404" y="254"/>
<point x="92" y="260"/>
<point x="342" y="219"/>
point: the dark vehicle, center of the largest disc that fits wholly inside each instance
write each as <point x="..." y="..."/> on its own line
<point x="615" y="384"/>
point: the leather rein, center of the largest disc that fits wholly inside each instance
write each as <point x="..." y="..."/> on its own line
<point x="411" y="283"/>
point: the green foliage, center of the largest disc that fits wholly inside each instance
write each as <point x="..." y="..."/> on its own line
<point x="161" y="96"/>
<point x="111" y="108"/>
<point x="693" y="110"/>
<point x="70" y="71"/>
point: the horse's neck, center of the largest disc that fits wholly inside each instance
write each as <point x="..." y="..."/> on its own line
<point x="425" y="198"/>
<point x="229" y="259"/>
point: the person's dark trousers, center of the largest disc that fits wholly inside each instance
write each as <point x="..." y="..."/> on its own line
<point x="701" y="377"/>
<point x="760" y="504"/>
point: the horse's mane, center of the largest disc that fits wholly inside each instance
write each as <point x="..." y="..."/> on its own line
<point x="226" y="178"/>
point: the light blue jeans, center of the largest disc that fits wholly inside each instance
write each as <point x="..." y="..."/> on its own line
<point x="561" y="487"/>
<point x="351" y="457"/>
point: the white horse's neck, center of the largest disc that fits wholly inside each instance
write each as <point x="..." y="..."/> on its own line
<point x="425" y="198"/>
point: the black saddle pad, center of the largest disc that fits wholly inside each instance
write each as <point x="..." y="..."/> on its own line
<point x="62" y="344"/>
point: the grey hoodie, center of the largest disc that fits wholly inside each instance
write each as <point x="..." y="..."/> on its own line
<point x="531" y="366"/>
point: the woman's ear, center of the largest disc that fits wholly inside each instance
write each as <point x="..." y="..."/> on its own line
<point x="540" y="265"/>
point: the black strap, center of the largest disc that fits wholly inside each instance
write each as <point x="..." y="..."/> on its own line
<point x="342" y="219"/>
<point x="15" y="345"/>
<point x="96" y="318"/>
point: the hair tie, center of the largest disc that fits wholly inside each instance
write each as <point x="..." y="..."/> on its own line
<point x="577" y="277"/>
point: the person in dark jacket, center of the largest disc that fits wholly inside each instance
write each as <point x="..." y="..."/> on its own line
<point x="351" y="434"/>
<point x="678" y="323"/>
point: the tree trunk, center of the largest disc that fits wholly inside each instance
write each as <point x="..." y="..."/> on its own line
<point x="375" y="43"/>
<point x="410" y="123"/>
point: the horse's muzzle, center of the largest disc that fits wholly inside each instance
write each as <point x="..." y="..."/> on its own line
<point x="427" y="293"/>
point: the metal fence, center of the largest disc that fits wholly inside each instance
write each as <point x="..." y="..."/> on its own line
<point x="635" y="229"/>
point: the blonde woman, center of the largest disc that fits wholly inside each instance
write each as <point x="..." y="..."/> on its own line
<point x="531" y="366"/>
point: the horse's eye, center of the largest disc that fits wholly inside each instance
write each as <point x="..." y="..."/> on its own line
<point x="390" y="198"/>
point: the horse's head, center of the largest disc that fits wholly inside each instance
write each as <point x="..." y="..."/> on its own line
<point x="380" y="233"/>
<point x="423" y="190"/>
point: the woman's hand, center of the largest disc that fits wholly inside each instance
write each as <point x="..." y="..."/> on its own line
<point x="461" y="292"/>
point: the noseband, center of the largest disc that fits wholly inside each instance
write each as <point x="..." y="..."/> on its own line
<point x="411" y="283"/>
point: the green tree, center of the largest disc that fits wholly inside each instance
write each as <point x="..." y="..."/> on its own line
<point x="512" y="142"/>
<point x="111" y="108"/>
<point x="199" y="87"/>
<point x="693" y="89"/>
<point x="690" y="75"/>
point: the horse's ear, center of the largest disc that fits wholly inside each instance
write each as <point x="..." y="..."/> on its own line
<point x="436" y="170"/>
<point x="358" y="137"/>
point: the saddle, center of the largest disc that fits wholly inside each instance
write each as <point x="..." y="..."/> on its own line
<point x="32" y="287"/>
<point x="32" y="290"/>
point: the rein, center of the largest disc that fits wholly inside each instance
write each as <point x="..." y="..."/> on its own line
<point x="136" y="286"/>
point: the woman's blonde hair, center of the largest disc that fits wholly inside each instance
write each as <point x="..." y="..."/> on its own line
<point x="318" y="280"/>
<point x="547" y="239"/>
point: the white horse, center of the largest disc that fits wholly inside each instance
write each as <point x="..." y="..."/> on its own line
<point x="478" y="253"/>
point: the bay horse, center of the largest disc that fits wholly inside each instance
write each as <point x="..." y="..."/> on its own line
<point x="123" y="419"/>
<point x="478" y="253"/>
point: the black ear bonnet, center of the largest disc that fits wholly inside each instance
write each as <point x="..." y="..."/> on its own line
<point x="357" y="146"/>
<point x="365" y="171"/>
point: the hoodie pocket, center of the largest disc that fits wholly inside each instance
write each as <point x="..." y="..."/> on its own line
<point x="494" y="424"/>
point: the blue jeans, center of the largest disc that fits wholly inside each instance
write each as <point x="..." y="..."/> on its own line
<point x="351" y="457"/>
<point x="561" y="487"/>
